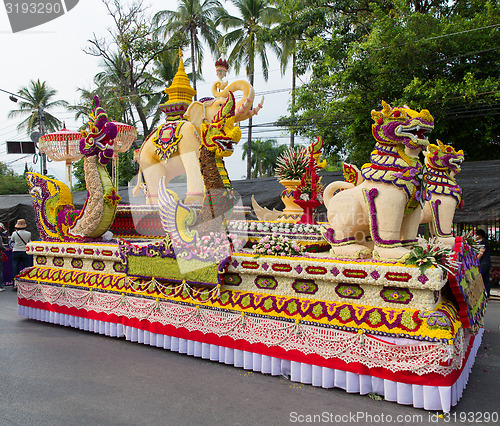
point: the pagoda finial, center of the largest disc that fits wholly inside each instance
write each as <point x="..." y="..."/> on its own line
<point x="180" y="93"/>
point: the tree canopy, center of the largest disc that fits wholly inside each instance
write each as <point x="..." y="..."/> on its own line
<point x="33" y="98"/>
<point x="438" y="55"/>
<point x="11" y="182"/>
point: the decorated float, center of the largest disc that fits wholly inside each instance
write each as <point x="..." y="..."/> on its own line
<point x="357" y="303"/>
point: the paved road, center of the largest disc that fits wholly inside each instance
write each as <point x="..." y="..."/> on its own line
<point x="55" y="375"/>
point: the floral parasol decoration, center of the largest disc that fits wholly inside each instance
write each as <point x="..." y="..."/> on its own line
<point x="432" y="253"/>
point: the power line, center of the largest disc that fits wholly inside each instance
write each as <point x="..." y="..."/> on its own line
<point x="435" y="37"/>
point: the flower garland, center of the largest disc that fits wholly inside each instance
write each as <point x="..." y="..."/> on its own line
<point x="275" y="227"/>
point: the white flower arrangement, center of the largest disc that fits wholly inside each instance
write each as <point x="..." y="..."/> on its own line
<point x="274" y="227"/>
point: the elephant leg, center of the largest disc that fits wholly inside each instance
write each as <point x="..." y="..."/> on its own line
<point x="151" y="177"/>
<point x="152" y="174"/>
<point x="194" y="178"/>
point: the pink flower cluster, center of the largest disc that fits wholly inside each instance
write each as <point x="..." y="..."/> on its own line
<point x="277" y="245"/>
<point x="216" y="245"/>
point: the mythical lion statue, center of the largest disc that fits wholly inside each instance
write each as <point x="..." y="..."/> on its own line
<point x="382" y="212"/>
<point x="442" y="163"/>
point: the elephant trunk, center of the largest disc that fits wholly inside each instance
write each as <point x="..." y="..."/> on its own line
<point x="243" y="108"/>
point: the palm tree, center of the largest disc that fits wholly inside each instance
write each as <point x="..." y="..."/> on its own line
<point x="33" y="99"/>
<point x="264" y="156"/>
<point x="196" y="19"/>
<point x="249" y="43"/>
<point x="288" y="33"/>
<point x="289" y="51"/>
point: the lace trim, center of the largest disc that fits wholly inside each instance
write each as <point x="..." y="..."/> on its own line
<point x="419" y="358"/>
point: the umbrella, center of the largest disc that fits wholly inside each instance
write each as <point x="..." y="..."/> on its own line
<point x="63" y="145"/>
<point x="127" y="134"/>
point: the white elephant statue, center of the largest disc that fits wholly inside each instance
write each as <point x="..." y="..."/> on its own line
<point x="173" y="149"/>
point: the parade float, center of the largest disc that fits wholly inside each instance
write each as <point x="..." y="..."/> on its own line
<point x="357" y="303"/>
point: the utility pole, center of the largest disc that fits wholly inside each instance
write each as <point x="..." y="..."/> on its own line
<point x="43" y="157"/>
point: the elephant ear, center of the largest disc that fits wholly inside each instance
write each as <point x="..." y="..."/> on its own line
<point x="194" y="113"/>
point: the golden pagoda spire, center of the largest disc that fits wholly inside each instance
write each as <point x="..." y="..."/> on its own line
<point x="180" y="90"/>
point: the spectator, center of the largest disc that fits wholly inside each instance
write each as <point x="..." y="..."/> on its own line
<point x="4" y="235"/>
<point x="484" y="259"/>
<point x="20" y="237"/>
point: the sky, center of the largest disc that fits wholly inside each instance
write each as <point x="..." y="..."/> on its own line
<point x="53" y="52"/>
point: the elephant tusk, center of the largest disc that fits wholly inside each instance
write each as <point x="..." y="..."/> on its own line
<point x="256" y="110"/>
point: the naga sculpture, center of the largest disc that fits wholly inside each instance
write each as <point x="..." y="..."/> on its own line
<point x="383" y="211"/>
<point x="57" y="218"/>
<point x="174" y="148"/>
<point x="442" y="163"/>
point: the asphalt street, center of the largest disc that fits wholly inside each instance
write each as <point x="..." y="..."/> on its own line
<point x="55" y="375"/>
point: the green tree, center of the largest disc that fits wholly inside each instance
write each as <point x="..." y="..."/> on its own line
<point x="11" y="182"/>
<point x="264" y="156"/>
<point x="289" y="33"/>
<point x="129" y="56"/>
<point x="443" y="58"/>
<point x="250" y="42"/>
<point x="196" y="19"/>
<point x="37" y="96"/>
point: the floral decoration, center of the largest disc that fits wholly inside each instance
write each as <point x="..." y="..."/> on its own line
<point x="214" y="246"/>
<point x="292" y="164"/>
<point x="58" y="261"/>
<point x="266" y="282"/>
<point x="349" y="291"/>
<point x="396" y="295"/>
<point x="119" y="267"/>
<point x="98" y="265"/>
<point x="294" y="229"/>
<point x="471" y="240"/>
<point x="310" y="187"/>
<point x="77" y="263"/>
<point x="232" y="279"/>
<point x="432" y="253"/>
<point x="305" y="286"/>
<point x="277" y="245"/>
